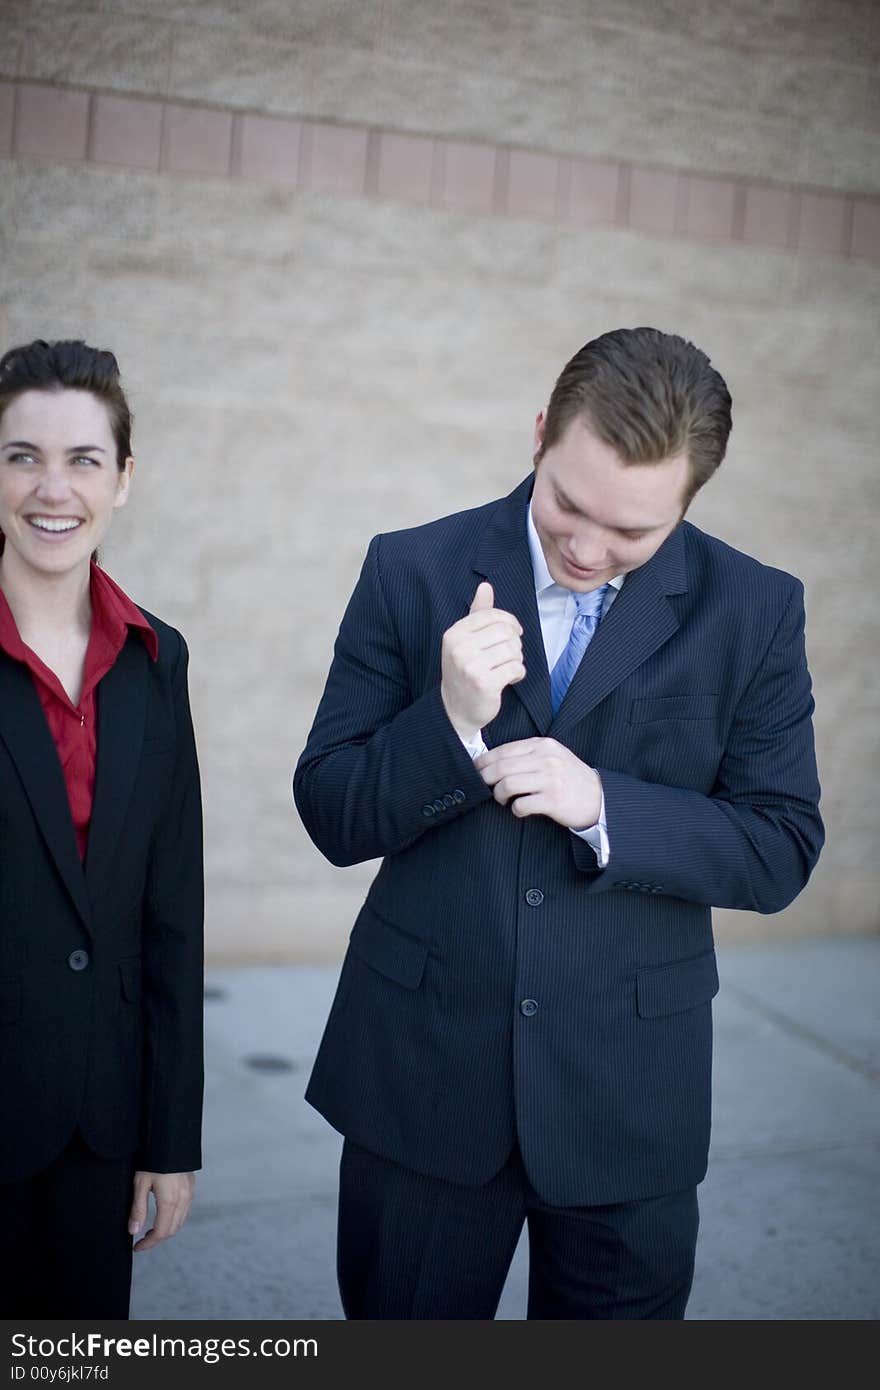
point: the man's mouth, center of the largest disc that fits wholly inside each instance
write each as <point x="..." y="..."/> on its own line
<point x="580" y="569"/>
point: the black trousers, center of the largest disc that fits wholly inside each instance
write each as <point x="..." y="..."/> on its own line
<point x="65" y="1251"/>
<point x="411" y="1246"/>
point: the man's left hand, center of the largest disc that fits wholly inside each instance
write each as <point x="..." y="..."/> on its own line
<point x="172" y="1193"/>
<point x="540" y="777"/>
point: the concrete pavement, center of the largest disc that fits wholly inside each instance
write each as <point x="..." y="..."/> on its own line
<point x="790" y="1208"/>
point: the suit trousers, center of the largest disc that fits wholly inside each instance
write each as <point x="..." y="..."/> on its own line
<point x="416" y="1247"/>
<point x="65" y="1251"/>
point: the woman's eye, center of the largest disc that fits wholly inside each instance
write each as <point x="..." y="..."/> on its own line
<point x="84" y="458"/>
<point x="20" y="458"/>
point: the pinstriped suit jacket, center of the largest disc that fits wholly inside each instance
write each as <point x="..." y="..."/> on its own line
<point x="498" y="985"/>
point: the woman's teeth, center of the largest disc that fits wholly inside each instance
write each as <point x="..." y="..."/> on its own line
<point x="46" y="523"/>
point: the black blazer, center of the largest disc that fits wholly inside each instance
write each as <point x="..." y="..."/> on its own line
<point x="101" y="964"/>
<point x="498" y="984"/>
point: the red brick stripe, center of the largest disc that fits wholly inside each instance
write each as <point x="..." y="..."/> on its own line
<point x="78" y="125"/>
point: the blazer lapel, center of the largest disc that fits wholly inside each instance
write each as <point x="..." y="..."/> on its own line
<point x="639" y="621"/>
<point x="503" y="558"/>
<point x="122" y="699"/>
<point x="25" y="732"/>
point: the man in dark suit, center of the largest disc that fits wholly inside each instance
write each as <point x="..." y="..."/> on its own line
<point x="570" y="723"/>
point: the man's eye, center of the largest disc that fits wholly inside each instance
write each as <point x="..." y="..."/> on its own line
<point x="84" y="458"/>
<point x="20" y="458"/>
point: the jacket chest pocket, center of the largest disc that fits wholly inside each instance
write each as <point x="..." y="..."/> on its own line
<point x="679" y="707"/>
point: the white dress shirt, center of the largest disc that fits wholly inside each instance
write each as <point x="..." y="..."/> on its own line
<point x="556" y="612"/>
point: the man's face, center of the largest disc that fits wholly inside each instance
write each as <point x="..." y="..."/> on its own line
<point x="597" y="516"/>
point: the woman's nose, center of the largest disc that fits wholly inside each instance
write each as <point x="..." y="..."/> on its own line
<point x="54" y="484"/>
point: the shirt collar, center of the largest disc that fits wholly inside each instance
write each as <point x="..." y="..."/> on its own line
<point x="112" y="612"/>
<point x="543" y="578"/>
<point x="112" y="609"/>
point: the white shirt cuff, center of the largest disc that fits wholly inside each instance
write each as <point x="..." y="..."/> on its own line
<point x="596" y="837"/>
<point x="474" y="746"/>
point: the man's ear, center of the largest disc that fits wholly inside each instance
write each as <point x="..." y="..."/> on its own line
<point x="538" y="441"/>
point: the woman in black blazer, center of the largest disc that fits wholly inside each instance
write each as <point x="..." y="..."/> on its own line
<point x="100" y="862"/>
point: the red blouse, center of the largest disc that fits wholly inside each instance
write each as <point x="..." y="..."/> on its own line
<point x="73" y="727"/>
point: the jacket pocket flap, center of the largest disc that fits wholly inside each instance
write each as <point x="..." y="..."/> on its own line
<point x="389" y="950"/>
<point x="10" y="1000"/>
<point x="671" y="989"/>
<point x="130" y="980"/>
<point x="674" y="707"/>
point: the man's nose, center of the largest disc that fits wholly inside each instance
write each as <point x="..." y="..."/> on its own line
<point x="589" y="547"/>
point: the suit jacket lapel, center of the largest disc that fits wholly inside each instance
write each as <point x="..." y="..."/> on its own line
<point x="25" y="732"/>
<point x="122" y="698"/>
<point x="639" y="621"/>
<point x="503" y="558"/>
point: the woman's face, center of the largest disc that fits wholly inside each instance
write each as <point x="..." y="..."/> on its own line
<point x="59" y="481"/>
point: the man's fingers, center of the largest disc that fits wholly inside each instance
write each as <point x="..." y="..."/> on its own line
<point x="169" y="1219"/>
<point x="138" y="1214"/>
<point x="172" y="1194"/>
<point x="488" y="619"/>
<point x="494" y="772"/>
<point x="483" y="638"/>
<point x="517" y="784"/>
<point x="483" y="599"/>
<point x="518" y="749"/>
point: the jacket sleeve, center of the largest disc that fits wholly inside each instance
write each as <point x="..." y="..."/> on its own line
<point x="382" y="765"/>
<point x="751" y="843"/>
<point x="174" y="961"/>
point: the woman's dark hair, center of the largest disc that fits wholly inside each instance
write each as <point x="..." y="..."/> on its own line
<point x="69" y="365"/>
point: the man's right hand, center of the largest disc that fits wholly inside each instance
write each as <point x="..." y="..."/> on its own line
<point x="481" y="655"/>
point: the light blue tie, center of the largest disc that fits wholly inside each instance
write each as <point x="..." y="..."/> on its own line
<point x="589" y="611"/>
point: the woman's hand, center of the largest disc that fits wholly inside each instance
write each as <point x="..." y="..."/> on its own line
<point x="172" y="1193"/>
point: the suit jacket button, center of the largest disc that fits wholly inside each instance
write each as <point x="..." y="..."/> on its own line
<point x="458" y="795"/>
<point x="427" y="811"/>
<point x="529" y="1007"/>
<point x="449" y="801"/>
<point x="534" y="897"/>
<point x="438" y="805"/>
<point x="78" y="960"/>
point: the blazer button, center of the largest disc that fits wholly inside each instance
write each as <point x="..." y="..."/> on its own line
<point x="427" y="811"/>
<point x="438" y="805"/>
<point x="458" y="795"/>
<point x="449" y="801"/>
<point x="534" y="897"/>
<point x="78" y="960"/>
<point x="529" y="1007"/>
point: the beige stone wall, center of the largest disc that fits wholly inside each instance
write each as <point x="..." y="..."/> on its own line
<point x="785" y="89"/>
<point x="308" y="369"/>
